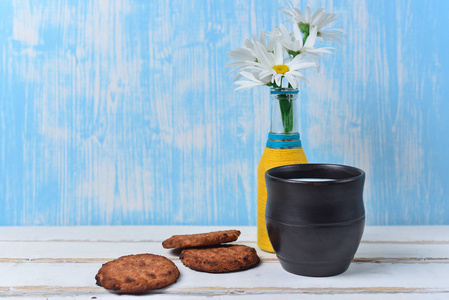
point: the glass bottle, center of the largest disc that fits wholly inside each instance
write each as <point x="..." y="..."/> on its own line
<point x="283" y="148"/>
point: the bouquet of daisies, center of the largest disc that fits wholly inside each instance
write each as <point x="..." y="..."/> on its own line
<point x="275" y="59"/>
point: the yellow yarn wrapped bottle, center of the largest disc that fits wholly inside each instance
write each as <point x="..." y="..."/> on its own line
<point x="283" y="148"/>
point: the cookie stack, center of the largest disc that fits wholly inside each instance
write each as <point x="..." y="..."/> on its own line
<point x="206" y="252"/>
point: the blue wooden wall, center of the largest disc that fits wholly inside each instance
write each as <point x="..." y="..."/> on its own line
<point x="120" y="112"/>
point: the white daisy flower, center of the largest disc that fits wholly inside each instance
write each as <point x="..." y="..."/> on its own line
<point x="269" y="44"/>
<point x="273" y="66"/>
<point x="246" y="57"/>
<point x="270" y="57"/>
<point x="335" y="35"/>
<point x="243" y="58"/>
<point x="295" y="45"/>
<point x="319" y="18"/>
<point x="253" y="80"/>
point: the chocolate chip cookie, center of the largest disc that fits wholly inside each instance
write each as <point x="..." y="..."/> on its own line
<point x="201" y="239"/>
<point x="137" y="273"/>
<point x="220" y="259"/>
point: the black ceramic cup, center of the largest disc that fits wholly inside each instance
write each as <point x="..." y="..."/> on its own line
<point x="315" y="217"/>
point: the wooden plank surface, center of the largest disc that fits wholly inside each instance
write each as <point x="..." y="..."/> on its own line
<point x="391" y="234"/>
<point x="61" y="262"/>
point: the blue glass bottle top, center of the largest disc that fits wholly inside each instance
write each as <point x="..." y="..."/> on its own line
<point x="283" y="91"/>
<point x="283" y="140"/>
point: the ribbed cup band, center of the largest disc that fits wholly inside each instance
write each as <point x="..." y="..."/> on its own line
<point x="283" y="140"/>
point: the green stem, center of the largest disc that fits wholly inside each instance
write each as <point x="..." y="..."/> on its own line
<point x="285" y="105"/>
<point x="304" y="39"/>
<point x="305" y="29"/>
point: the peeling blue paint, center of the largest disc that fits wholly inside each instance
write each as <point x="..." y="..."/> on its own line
<point x="120" y="112"/>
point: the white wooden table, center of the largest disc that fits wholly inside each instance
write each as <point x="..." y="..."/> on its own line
<point x="61" y="263"/>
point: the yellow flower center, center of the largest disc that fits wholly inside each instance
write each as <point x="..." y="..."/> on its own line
<point x="281" y="69"/>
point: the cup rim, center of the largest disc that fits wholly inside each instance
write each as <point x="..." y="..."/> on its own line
<point x="359" y="174"/>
